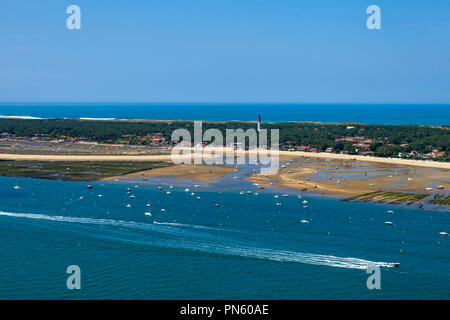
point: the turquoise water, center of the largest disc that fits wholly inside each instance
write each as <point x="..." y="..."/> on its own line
<point x="432" y="114"/>
<point x="248" y="248"/>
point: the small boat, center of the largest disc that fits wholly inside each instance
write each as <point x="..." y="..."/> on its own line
<point x="242" y="192"/>
<point x="428" y="188"/>
<point x="443" y="233"/>
<point x="148" y="214"/>
<point x="100" y="196"/>
<point x="256" y="193"/>
<point x="17" y="187"/>
<point x="196" y="186"/>
<point x="132" y="197"/>
<point x="440" y="187"/>
<point x="304" y="202"/>
<point x="192" y="194"/>
<point x="128" y="205"/>
<point x="128" y="189"/>
<point x="278" y="204"/>
<point x="168" y="192"/>
<point x="81" y="198"/>
<point x="163" y="210"/>
<point x="171" y="187"/>
<point x="198" y="198"/>
<point x="249" y="192"/>
<point x="186" y="190"/>
<point x="275" y="196"/>
<point x="159" y="188"/>
<point x="285" y="195"/>
<point x="148" y="205"/>
<point x="305" y="207"/>
<point x="390" y="212"/>
<point x="89" y="186"/>
<point x="304" y="221"/>
<point x="389" y="223"/>
<point x="216" y="205"/>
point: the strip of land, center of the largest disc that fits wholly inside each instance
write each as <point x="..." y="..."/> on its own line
<point x="167" y="157"/>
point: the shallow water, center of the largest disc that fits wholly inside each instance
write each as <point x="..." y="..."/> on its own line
<point x="248" y="248"/>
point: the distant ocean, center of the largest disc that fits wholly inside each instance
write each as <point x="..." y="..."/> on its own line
<point x="426" y="114"/>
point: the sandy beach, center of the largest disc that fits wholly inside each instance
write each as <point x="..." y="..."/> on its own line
<point x="283" y="155"/>
<point x="200" y="173"/>
<point x="345" y="178"/>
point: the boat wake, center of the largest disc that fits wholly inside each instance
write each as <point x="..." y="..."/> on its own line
<point x="207" y="243"/>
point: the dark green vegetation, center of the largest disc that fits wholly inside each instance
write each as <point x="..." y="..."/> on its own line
<point x="387" y="140"/>
<point x="74" y="171"/>
<point x="440" y="199"/>
<point x="389" y="197"/>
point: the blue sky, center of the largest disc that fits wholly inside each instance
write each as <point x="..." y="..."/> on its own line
<point x="225" y="51"/>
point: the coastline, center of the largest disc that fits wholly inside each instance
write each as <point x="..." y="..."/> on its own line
<point x="282" y="154"/>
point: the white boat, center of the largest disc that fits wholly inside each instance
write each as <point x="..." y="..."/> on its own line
<point x="390" y="212"/>
<point x="428" y="188"/>
<point x="168" y="192"/>
<point x="278" y="204"/>
<point x="17" y="187"/>
<point x="148" y="214"/>
<point x="132" y="197"/>
<point x="443" y="233"/>
<point x="389" y="223"/>
<point x="128" y="205"/>
<point x="242" y="192"/>
<point x="304" y="221"/>
<point x="100" y="196"/>
<point x="186" y="190"/>
<point x="159" y="188"/>
<point x="81" y="198"/>
<point x="275" y="196"/>
<point x="304" y="202"/>
<point x="171" y="187"/>
<point x="440" y="187"/>
<point x="198" y="198"/>
<point x="305" y="207"/>
<point x="148" y="205"/>
<point x="256" y="193"/>
<point x="285" y="195"/>
<point x="163" y="210"/>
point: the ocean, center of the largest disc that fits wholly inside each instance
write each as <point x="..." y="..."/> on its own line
<point x="432" y="114"/>
<point x="247" y="248"/>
